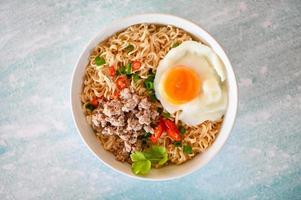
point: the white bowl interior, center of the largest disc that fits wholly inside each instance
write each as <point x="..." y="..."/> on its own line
<point x="86" y="132"/>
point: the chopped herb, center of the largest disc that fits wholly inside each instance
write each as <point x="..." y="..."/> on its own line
<point x="125" y="69"/>
<point x="140" y="164"/>
<point x="177" y="144"/>
<point x="99" y="61"/>
<point x="142" y="161"/>
<point x="187" y="149"/>
<point x="156" y="154"/>
<point x="182" y="130"/>
<point x="122" y="70"/>
<point x="128" y="69"/>
<point x="149" y="85"/>
<point x="160" y="110"/>
<point x="175" y="44"/>
<point x="136" y="77"/>
<point x="166" y="115"/>
<point x="149" y="82"/>
<point x="151" y="77"/>
<point x="89" y="106"/>
<point x="129" y="48"/>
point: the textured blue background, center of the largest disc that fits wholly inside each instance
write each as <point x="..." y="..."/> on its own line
<point x="41" y="154"/>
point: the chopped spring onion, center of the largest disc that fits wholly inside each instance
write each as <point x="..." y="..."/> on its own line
<point x="149" y="85"/>
<point x="135" y="77"/>
<point x="125" y="69"/>
<point x="187" y="149"/>
<point x="99" y="61"/>
<point x="129" y="48"/>
<point x="128" y="69"/>
<point x="151" y="77"/>
<point x="177" y="144"/>
<point x="122" y="70"/>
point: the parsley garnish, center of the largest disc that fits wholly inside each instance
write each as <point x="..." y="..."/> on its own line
<point x="142" y="161"/>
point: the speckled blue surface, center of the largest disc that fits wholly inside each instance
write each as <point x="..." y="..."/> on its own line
<point x="43" y="157"/>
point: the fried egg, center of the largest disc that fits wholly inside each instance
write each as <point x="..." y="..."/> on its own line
<point x="191" y="79"/>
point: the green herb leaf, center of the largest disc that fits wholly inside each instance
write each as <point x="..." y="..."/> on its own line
<point x="129" y="48"/>
<point x="164" y="159"/>
<point x="160" y="110"/>
<point x="137" y="156"/>
<point x="136" y="77"/>
<point x="141" y="167"/>
<point x="175" y="44"/>
<point x="187" y="149"/>
<point x="166" y="115"/>
<point x="156" y="154"/>
<point x="182" y="130"/>
<point x="89" y="106"/>
<point x="177" y="144"/>
<point x="99" y="61"/>
<point x="142" y="161"/>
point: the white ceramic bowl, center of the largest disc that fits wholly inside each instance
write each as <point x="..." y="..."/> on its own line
<point x="86" y="132"/>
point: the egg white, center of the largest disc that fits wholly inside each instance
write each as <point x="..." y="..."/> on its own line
<point x="211" y="102"/>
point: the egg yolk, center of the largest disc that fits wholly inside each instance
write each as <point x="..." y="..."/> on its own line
<point x="181" y="84"/>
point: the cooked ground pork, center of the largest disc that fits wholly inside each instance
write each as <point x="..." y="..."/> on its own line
<point x="127" y="117"/>
<point x="144" y="117"/>
<point x="112" y="108"/>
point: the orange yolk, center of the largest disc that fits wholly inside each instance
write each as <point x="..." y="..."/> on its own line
<point x="181" y="84"/>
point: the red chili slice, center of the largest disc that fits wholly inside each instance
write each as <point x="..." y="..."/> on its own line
<point x="94" y="102"/>
<point x="172" y="130"/>
<point x="122" y="82"/>
<point x="112" y="71"/>
<point x="136" y="65"/>
<point x="157" y="132"/>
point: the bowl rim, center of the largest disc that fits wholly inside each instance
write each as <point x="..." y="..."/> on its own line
<point x="234" y="101"/>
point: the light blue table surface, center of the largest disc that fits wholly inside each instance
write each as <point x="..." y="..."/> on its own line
<point x="43" y="157"/>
